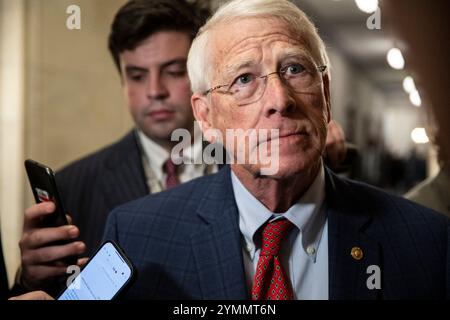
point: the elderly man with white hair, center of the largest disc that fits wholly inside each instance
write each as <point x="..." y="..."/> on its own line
<point x="259" y="68"/>
<point x="275" y="223"/>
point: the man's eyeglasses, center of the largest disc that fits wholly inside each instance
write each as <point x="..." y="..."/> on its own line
<point x="248" y="88"/>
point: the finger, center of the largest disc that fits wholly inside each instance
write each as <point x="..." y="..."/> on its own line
<point x="52" y="253"/>
<point x="69" y="219"/>
<point x="82" y="261"/>
<point x="34" y="213"/>
<point x="43" y="236"/>
<point x="39" y="275"/>
<point x="35" y="295"/>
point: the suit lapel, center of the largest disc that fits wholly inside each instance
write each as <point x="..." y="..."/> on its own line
<point x="123" y="177"/>
<point x="217" y="244"/>
<point x="347" y="222"/>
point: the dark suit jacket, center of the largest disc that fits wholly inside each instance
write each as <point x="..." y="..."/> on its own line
<point x="91" y="187"/>
<point x="186" y="242"/>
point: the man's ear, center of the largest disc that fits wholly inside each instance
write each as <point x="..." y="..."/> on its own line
<point x="202" y="113"/>
<point x="326" y="89"/>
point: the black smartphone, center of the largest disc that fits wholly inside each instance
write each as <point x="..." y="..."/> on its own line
<point x="107" y="273"/>
<point x="43" y="185"/>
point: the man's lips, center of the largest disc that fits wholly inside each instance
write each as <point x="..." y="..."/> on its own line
<point x="289" y="134"/>
<point x="285" y="135"/>
<point x="161" y="114"/>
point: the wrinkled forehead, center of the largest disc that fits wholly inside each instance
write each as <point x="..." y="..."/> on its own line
<point x="254" y="39"/>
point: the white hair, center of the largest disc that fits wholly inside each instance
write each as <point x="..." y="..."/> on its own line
<point x="199" y="62"/>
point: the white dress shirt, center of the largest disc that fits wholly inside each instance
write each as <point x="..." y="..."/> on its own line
<point x="304" y="254"/>
<point x="155" y="157"/>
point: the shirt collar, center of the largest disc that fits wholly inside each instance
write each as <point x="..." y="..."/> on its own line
<point x="307" y="214"/>
<point x="157" y="155"/>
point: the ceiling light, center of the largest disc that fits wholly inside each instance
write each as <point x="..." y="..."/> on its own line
<point x="408" y="84"/>
<point x="395" y="59"/>
<point x="414" y="97"/>
<point x="419" y="136"/>
<point x="367" y="6"/>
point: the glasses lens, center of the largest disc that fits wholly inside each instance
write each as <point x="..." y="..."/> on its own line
<point x="307" y="82"/>
<point x="245" y="87"/>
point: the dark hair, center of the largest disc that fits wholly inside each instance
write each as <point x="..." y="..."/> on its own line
<point x="139" y="19"/>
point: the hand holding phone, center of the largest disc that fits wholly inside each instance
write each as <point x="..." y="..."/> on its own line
<point x="48" y="244"/>
<point x="105" y="275"/>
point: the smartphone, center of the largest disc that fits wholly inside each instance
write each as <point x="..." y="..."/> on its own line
<point x="43" y="185"/>
<point x="108" y="273"/>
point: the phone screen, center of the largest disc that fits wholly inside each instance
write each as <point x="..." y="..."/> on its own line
<point x="106" y="273"/>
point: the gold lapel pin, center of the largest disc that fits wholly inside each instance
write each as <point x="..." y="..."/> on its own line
<point x="357" y="253"/>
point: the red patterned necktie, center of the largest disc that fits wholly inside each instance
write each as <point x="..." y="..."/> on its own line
<point x="170" y="169"/>
<point x="270" y="282"/>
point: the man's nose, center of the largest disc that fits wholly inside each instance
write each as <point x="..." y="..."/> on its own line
<point x="156" y="88"/>
<point x="277" y="96"/>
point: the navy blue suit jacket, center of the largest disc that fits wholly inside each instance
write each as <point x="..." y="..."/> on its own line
<point x="91" y="187"/>
<point x="186" y="242"/>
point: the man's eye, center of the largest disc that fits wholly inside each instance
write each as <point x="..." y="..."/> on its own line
<point x="176" y="73"/>
<point x="244" y="79"/>
<point x="137" y="77"/>
<point x="292" y="69"/>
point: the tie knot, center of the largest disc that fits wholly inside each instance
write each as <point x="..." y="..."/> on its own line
<point x="272" y="236"/>
<point x="171" y="169"/>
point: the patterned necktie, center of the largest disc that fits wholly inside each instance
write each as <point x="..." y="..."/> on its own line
<point x="270" y="282"/>
<point x="170" y="169"/>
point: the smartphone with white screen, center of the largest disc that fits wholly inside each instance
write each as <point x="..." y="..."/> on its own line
<point x="105" y="275"/>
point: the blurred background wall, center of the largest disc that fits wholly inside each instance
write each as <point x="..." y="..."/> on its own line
<point x="60" y="96"/>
